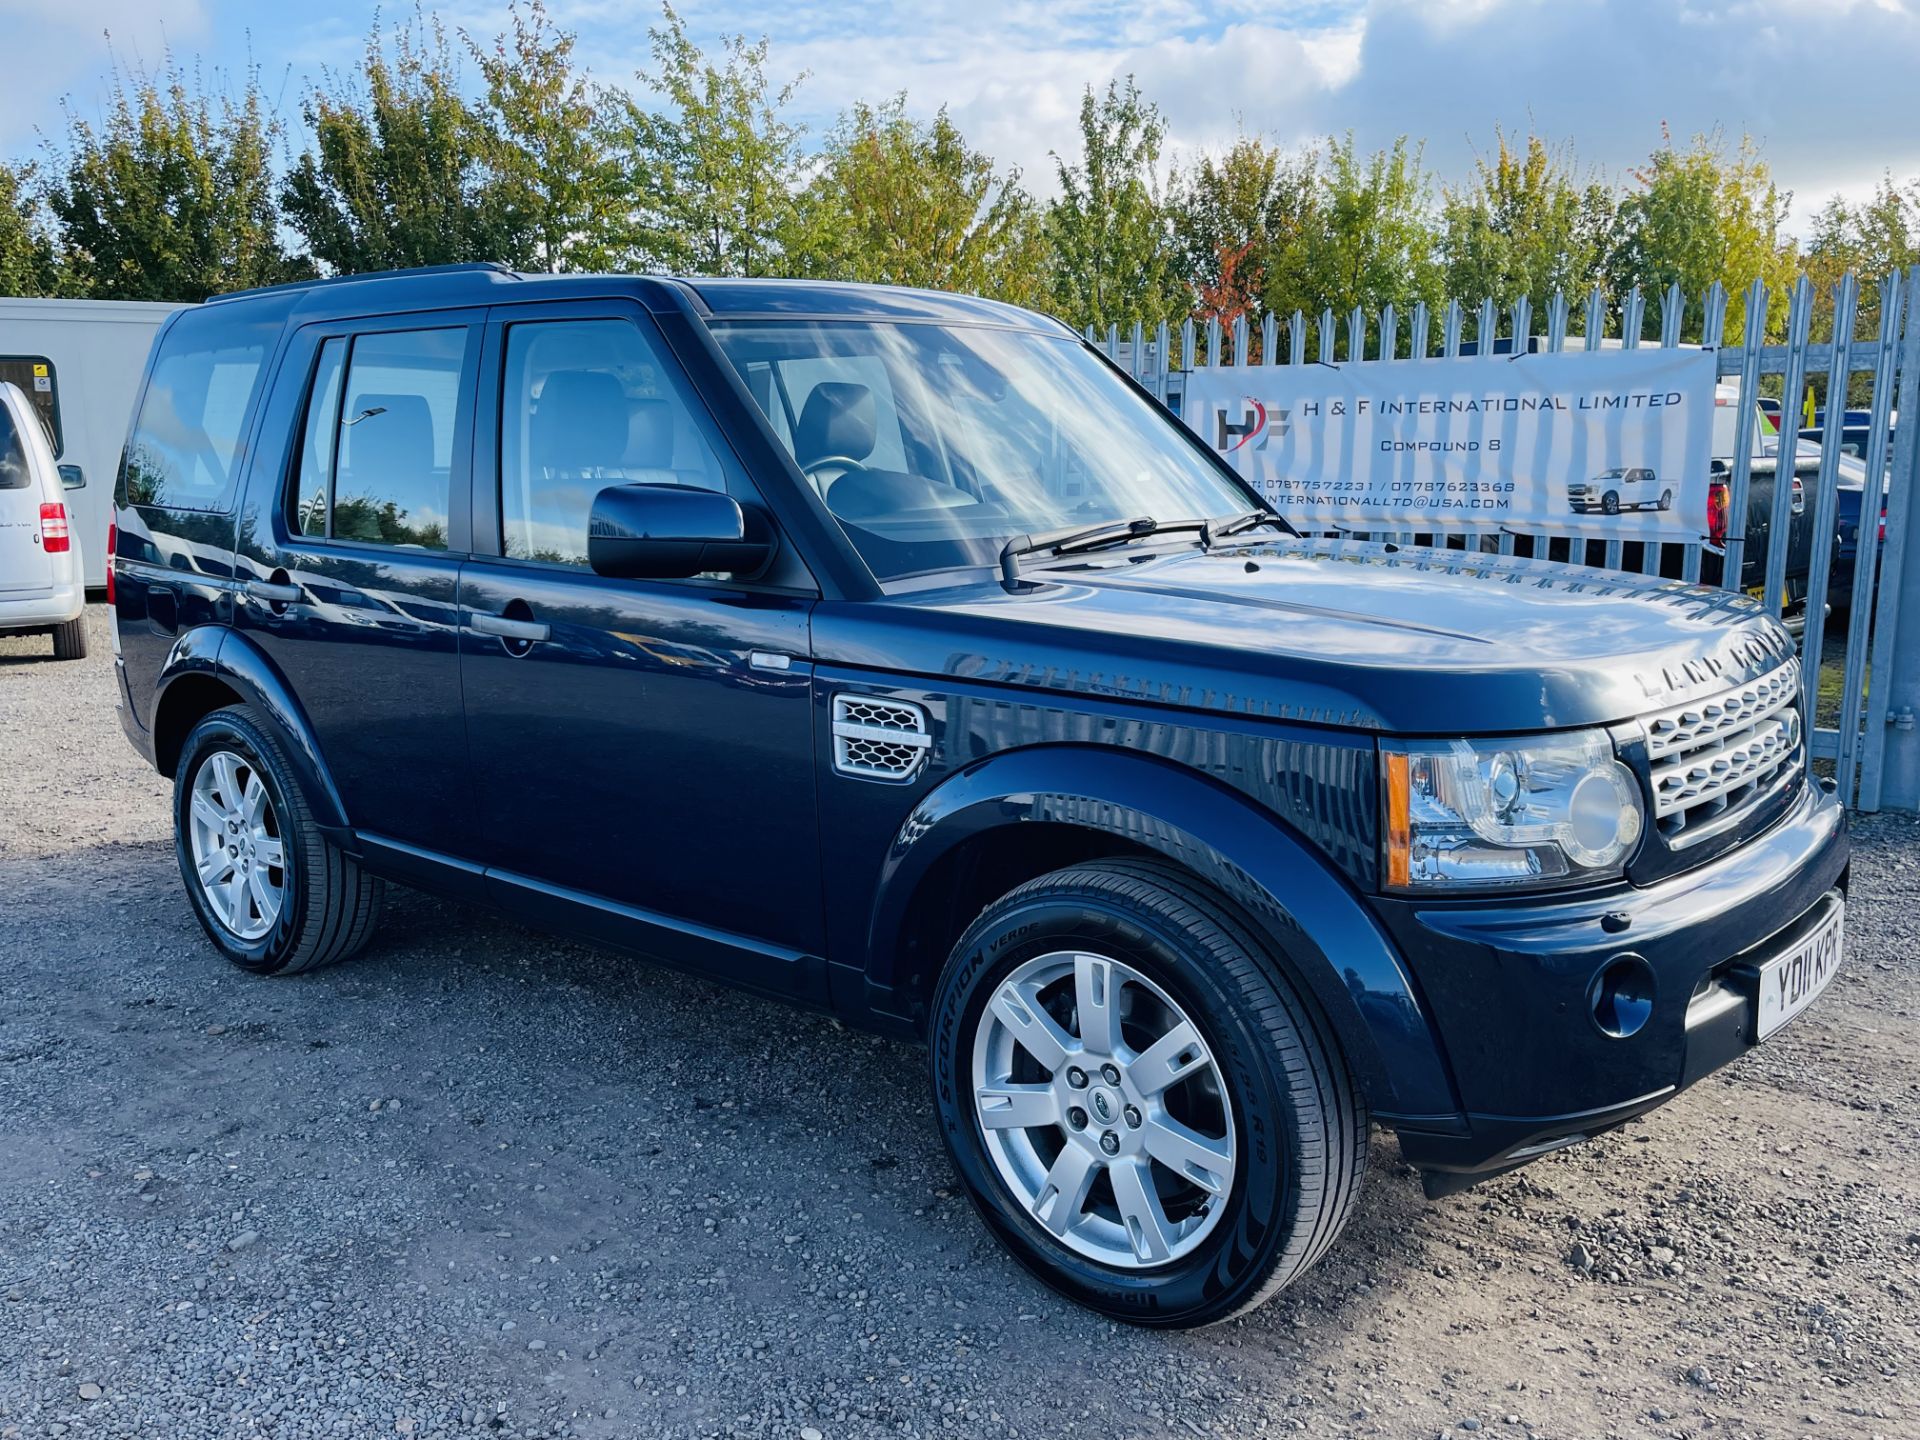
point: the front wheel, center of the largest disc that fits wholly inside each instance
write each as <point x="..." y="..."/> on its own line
<point x="1610" y="503"/>
<point x="271" y="891"/>
<point x="1145" y="1110"/>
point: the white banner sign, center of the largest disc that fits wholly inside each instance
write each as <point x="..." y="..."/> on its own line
<point x="1608" y="443"/>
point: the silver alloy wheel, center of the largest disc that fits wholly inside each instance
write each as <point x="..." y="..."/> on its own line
<point x="1103" y="1110"/>
<point x="238" y="853"/>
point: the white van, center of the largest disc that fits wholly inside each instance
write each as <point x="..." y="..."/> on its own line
<point x="41" y="588"/>
<point x="79" y="364"/>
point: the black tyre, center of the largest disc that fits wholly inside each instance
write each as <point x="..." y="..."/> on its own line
<point x="70" y="639"/>
<point x="1610" y="502"/>
<point x="270" y="890"/>
<point x="1145" y="1110"/>
<point x="1666" y="499"/>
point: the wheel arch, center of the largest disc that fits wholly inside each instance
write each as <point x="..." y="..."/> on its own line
<point x="211" y="667"/>
<point x="1052" y="806"/>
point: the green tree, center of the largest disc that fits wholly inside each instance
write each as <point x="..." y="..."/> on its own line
<point x="712" y="177"/>
<point x="1238" y="222"/>
<point x="1525" y="225"/>
<point x="1704" y="214"/>
<point x="171" y="196"/>
<point x="899" y="202"/>
<point x="1113" y="256"/>
<point x="398" y="173"/>
<point x="1371" y="240"/>
<point x="29" y="264"/>
<point x="547" y="154"/>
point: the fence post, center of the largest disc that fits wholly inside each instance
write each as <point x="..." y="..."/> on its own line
<point x="1891" y="765"/>
<point x="1825" y="498"/>
<point x="1787" y="454"/>
<point x="1867" y="549"/>
<point x="1751" y="339"/>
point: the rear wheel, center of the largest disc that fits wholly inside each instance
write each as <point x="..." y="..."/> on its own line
<point x="271" y="891"/>
<point x="70" y="639"/>
<point x="1666" y="499"/>
<point x="1144" y="1109"/>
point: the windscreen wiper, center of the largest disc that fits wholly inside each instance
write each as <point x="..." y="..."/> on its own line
<point x="1079" y="542"/>
<point x="1217" y="530"/>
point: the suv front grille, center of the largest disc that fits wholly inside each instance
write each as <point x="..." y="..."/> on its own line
<point x="1712" y="757"/>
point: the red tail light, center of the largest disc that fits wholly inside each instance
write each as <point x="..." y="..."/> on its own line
<point x="1718" y="502"/>
<point x="53" y="529"/>
<point x="113" y="541"/>
<point x="1883" y="527"/>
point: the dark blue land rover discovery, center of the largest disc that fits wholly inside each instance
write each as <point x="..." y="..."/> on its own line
<point x="893" y="653"/>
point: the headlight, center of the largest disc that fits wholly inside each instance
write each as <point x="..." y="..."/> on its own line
<point x="1538" y="810"/>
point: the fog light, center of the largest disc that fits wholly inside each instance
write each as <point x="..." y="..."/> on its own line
<point x="1622" y="996"/>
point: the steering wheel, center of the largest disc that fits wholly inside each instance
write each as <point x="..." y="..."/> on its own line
<point x="845" y="462"/>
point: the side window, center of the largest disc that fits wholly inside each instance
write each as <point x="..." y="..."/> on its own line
<point x="376" y="455"/>
<point x="14" y="472"/>
<point x="585" y="404"/>
<point x="34" y="374"/>
<point x="185" y="447"/>
<point x="313" y="482"/>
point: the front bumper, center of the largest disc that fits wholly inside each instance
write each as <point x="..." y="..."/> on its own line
<point x="1508" y="989"/>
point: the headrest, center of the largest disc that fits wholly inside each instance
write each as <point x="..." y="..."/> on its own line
<point x="580" y="422"/>
<point x="649" y="435"/>
<point x="836" y="420"/>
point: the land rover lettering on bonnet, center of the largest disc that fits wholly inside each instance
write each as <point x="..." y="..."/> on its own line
<point x="893" y="653"/>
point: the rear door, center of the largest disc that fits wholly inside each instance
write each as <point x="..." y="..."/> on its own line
<point x="351" y="555"/>
<point x="25" y="570"/>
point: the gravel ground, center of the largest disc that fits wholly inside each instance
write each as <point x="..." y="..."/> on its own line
<point x="484" y="1182"/>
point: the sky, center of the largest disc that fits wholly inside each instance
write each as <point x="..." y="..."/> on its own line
<point x="1830" y="88"/>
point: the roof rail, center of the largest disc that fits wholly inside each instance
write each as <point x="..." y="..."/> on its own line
<point x="498" y="267"/>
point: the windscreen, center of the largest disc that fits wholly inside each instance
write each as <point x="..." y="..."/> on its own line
<point x="932" y="445"/>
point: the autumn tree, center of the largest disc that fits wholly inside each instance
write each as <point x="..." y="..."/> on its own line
<point x="1238" y="221"/>
<point x="548" y="161"/>
<point x="1371" y="240"/>
<point x="28" y="262"/>
<point x="1703" y="214"/>
<point x="170" y="196"/>
<point x="712" y="176"/>
<point x="1525" y="224"/>
<point x="1113" y="257"/>
<point x="398" y="172"/>
<point x="903" y="202"/>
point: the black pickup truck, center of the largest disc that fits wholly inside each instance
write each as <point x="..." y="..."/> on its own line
<point x="894" y="654"/>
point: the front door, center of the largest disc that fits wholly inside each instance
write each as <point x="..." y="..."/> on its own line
<point x="641" y="750"/>
<point x="350" y="561"/>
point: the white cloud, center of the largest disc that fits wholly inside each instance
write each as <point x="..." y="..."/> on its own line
<point x="57" y="49"/>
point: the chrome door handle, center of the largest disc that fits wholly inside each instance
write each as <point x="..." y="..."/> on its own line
<point x="273" y="593"/>
<point x="527" y="631"/>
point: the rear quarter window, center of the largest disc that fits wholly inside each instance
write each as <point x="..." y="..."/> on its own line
<point x="39" y="382"/>
<point x="188" y="444"/>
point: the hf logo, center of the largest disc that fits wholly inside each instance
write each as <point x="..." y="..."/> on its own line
<point x="1257" y="424"/>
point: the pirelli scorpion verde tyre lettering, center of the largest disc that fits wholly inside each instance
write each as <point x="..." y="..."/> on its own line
<point x="270" y="890"/>
<point x="1144" y="1109"/>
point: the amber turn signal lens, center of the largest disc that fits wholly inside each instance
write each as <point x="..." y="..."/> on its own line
<point x="1399" y="830"/>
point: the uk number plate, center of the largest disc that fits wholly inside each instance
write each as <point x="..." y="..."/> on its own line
<point x="1790" y="982"/>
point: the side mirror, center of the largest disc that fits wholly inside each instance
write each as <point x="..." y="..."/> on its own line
<point x="671" y="532"/>
<point x="72" y="477"/>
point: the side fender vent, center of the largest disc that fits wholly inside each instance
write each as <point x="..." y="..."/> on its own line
<point x="879" y="739"/>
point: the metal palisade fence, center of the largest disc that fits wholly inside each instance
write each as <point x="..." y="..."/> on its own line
<point x="1851" y="718"/>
